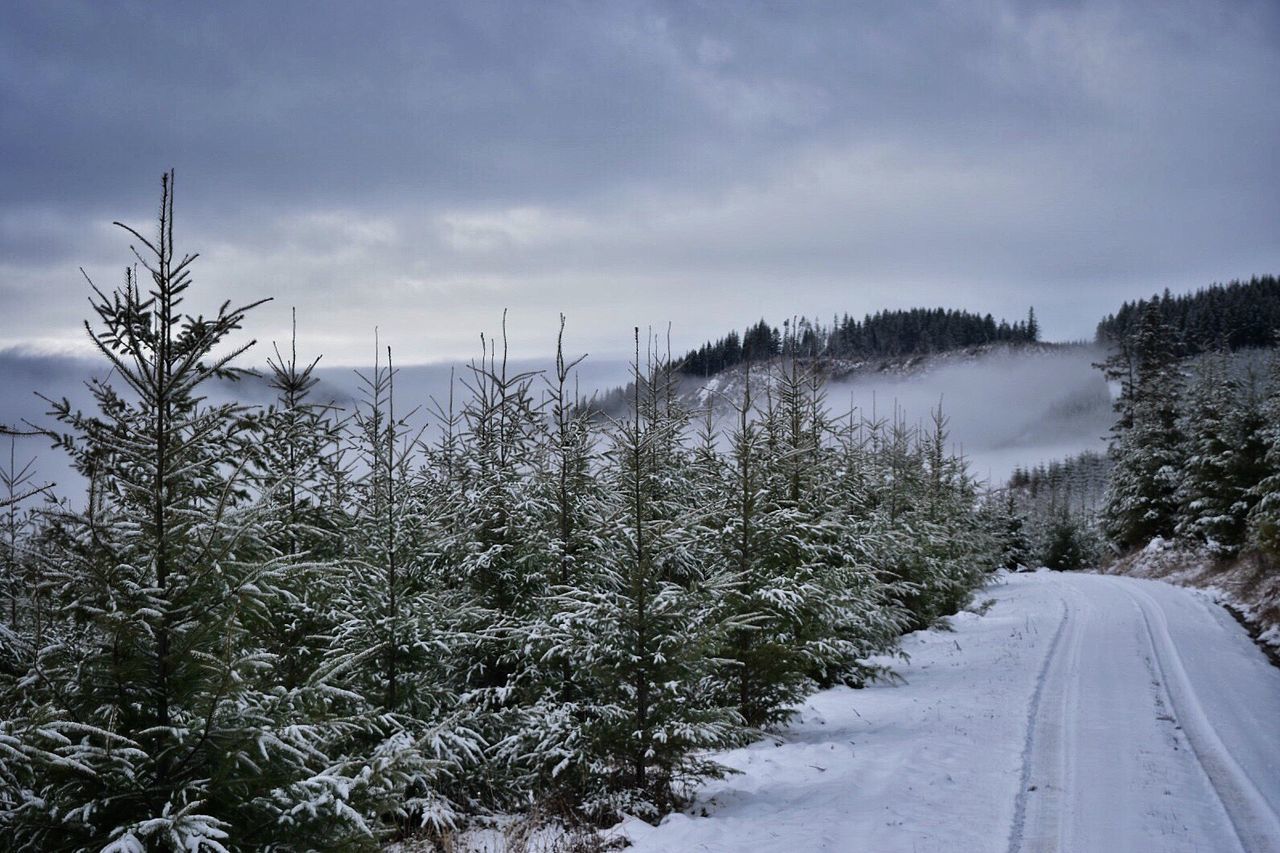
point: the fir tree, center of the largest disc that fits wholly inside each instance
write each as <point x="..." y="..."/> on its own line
<point x="1264" y="517"/>
<point x="146" y="728"/>
<point x="296" y="455"/>
<point x="643" y="627"/>
<point x="1224" y="457"/>
<point x="1066" y="548"/>
<point x="1142" y="498"/>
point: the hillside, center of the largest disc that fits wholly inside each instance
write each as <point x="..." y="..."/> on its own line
<point x="1235" y="315"/>
<point x="885" y="334"/>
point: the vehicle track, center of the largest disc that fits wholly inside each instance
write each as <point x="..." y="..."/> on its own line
<point x="1256" y="824"/>
<point x="1044" y="794"/>
<point x="1120" y="753"/>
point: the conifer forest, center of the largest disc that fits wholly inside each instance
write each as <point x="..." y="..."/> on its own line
<point x="639" y="426"/>
<point x="294" y="625"/>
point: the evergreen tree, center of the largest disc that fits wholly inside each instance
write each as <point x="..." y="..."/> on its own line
<point x="1223" y="425"/>
<point x="395" y="643"/>
<point x="796" y="596"/>
<point x="1206" y="493"/>
<point x="1067" y="548"/>
<point x="17" y="486"/>
<point x="1010" y="531"/>
<point x="145" y="728"/>
<point x="296" y="453"/>
<point x="1264" y="517"/>
<point x="546" y="749"/>
<point x="1142" y="498"/>
<point x="644" y="630"/>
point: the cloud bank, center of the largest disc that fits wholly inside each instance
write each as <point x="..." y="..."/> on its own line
<point x="419" y="167"/>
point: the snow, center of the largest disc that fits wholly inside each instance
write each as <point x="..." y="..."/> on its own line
<point x="1081" y="712"/>
<point x="1244" y="583"/>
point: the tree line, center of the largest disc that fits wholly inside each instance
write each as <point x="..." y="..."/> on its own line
<point x="1050" y="512"/>
<point x="1196" y="445"/>
<point x="291" y="626"/>
<point x="883" y="334"/>
<point x="1236" y="315"/>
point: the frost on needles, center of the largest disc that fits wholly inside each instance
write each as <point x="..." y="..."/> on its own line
<point x="294" y="626"/>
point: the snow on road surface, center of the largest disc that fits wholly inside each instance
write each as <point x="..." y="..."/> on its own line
<point x="1080" y="713"/>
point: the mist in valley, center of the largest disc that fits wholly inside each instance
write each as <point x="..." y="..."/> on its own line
<point x="1005" y="408"/>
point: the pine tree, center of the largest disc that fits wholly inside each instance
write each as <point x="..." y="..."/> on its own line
<point x="1264" y="517"/>
<point x="1205" y="493"/>
<point x="1066" y="547"/>
<point x="17" y="487"/>
<point x="643" y="627"/>
<point x="396" y="639"/>
<point x="1224" y="454"/>
<point x="545" y="749"/>
<point x="146" y="727"/>
<point x="1247" y="425"/>
<point x="776" y="602"/>
<point x="1009" y="527"/>
<point x="1142" y="498"/>
<point x="296" y="456"/>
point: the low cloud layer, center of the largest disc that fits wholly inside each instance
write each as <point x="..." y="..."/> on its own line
<point x="1008" y="408"/>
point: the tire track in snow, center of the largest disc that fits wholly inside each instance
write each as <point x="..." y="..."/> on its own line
<point x="1256" y="824"/>
<point x="1045" y="755"/>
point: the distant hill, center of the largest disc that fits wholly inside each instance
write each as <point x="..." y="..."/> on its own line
<point x="885" y="334"/>
<point x="1236" y="315"/>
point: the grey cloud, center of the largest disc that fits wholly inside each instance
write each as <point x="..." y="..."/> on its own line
<point x="420" y="166"/>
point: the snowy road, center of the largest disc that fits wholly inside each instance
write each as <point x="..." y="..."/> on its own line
<point x="1081" y="713"/>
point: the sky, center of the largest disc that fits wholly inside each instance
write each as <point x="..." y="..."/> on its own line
<point x="420" y="167"/>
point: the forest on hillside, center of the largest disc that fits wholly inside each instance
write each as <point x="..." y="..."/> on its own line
<point x="1194" y="456"/>
<point x="290" y="626"/>
<point x="1236" y="315"/>
<point x="883" y="334"/>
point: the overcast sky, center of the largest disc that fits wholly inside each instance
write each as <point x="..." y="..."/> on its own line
<point x="421" y="166"/>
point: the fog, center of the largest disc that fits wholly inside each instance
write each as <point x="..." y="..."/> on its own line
<point x="25" y="376"/>
<point x="1005" y="408"/>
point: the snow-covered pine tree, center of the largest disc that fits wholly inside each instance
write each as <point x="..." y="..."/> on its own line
<point x="17" y="522"/>
<point x="501" y="559"/>
<point x="23" y="618"/>
<point x="1067" y="546"/>
<point x="642" y="622"/>
<point x="1141" y="500"/>
<point x="958" y="551"/>
<point x="852" y="609"/>
<point x="395" y="644"/>
<point x="570" y="445"/>
<point x="144" y="727"/>
<point x="1009" y="527"/>
<point x="770" y="605"/>
<point x="297" y="451"/>
<point x="1247" y="424"/>
<point x="545" y="750"/>
<point x="1207" y="494"/>
<point x="1264" y="517"/>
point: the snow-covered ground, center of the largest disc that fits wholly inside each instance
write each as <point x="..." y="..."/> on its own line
<point x="1080" y="713"/>
<point x="1244" y="583"/>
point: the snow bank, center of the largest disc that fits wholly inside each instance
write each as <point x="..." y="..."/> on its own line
<point x="931" y="763"/>
<point x="1243" y="584"/>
